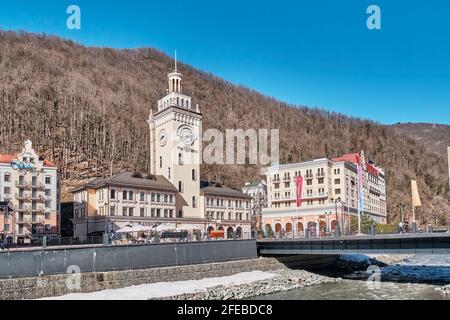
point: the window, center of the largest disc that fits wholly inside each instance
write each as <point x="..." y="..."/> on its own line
<point x="194" y="203"/>
<point x="142" y="212"/>
<point x="171" y="198"/>
<point x="47" y="204"/>
<point x="160" y="162"/>
<point x="166" y="198"/>
<point x="124" y="195"/>
<point x="112" y="211"/>
<point x="287" y="184"/>
<point x="48" y="192"/>
<point x="337" y="181"/>
<point x="113" y="194"/>
<point x="158" y="197"/>
<point x="166" y="213"/>
<point x="168" y="173"/>
<point x="47" y="215"/>
<point x="309" y="182"/>
<point x="48" y="180"/>
<point x="321" y="181"/>
<point x="180" y="186"/>
<point x="194" y="175"/>
<point x="170" y="213"/>
<point x="180" y="213"/>
<point x="130" y="195"/>
<point x="7" y="190"/>
<point x="180" y="159"/>
<point x="48" y="228"/>
<point x="130" y="211"/>
<point x="142" y="196"/>
<point x="124" y="211"/>
<point x="7" y="177"/>
<point x="153" y="212"/>
<point x="152" y="197"/>
<point x="158" y="213"/>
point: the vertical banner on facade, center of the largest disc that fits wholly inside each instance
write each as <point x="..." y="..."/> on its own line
<point x="360" y="189"/>
<point x="299" y="185"/>
<point x="448" y="155"/>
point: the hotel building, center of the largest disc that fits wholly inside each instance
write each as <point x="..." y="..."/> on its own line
<point x="172" y="193"/>
<point x="31" y="186"/>
<point x="329" y="198"/>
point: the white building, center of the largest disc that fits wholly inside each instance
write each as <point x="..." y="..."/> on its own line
<point x="31" y="185"/>
<point x="329" y="196"/>
<point x="175" y="157"/>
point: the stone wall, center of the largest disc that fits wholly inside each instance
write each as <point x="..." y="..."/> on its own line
<point x="56" y="285"/>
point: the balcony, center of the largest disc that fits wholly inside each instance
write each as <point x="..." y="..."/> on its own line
<point x="37" y="209"/>
<point x="286" y="179"/>
<point x="38" y="185"/>
<point x="36" y="197"/>
<point x="23" y="196"/>
<point x="23" y="184"/>
<point x="320" y="175"/>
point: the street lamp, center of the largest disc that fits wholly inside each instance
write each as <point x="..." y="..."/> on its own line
<point x="338" y="223"/>
<point x="327" y="227"/>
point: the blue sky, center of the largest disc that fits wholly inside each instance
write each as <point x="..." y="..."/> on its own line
<point x="315" y="53"/>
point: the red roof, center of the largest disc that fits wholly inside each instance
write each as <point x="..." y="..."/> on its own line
<point x="5" y="158"/>
<point x="356" y="159"/>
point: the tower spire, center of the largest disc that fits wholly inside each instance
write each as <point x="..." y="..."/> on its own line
<point x="176" y="63"/>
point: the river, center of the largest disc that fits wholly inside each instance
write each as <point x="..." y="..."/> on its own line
<point x="415" y="278"/>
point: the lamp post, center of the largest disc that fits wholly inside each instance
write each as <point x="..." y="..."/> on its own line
<point x="338" y="223"/>
<point x="327" y="227"/>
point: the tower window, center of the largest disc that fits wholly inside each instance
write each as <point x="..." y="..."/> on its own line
<point x="180" y="159"/>
<point x="194" y="175"/>
<point x="160" y="162"/>
<point x="168" y="173"/>
<point x="194" y="202"/>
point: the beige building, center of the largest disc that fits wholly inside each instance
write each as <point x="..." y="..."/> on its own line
<point x="31" y="185"/>
<point x="329" y="198"/>
<point x="173" y="193"/>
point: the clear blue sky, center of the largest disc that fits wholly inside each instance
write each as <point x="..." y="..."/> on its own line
<point x="315" y="53"/>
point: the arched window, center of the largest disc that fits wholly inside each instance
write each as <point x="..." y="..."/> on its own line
<point x="194" y="202"/>
<point x="182" y="102"/>
<point x="180" y="159"/>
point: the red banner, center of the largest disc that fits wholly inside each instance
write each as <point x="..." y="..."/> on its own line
<point x="299" y="185"/>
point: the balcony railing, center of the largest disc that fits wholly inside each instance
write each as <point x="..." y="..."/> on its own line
<point x="23" y="184"/>
<point x="37" y="185"/>
<point x="23" y="196"/>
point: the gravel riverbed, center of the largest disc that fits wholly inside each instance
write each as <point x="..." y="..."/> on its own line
<point x="284" y="280"/>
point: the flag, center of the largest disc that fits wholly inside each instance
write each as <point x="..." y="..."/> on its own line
<point x="360" y="189"/>
<point x="299" y="185"/>
<point x="415" y="194"/>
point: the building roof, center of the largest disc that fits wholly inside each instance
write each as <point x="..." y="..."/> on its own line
<point x="7" y="158"/>
<point x="217" y="189"/>
<point x="356" y="159"/>
<point x="132" y="180"/>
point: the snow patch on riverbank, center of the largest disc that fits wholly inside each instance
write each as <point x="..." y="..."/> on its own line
<point x="166" y="289"/>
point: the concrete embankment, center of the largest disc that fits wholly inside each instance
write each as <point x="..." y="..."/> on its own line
<point x="57" y="285"/>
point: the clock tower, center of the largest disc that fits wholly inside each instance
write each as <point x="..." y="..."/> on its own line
<point x="176" y="145"/>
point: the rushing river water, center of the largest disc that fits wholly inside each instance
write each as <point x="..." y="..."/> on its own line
<point x="415" y="278"/>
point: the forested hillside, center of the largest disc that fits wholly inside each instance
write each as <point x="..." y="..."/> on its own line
<point x="435" y="137"/>
<point x="86" y="110"/>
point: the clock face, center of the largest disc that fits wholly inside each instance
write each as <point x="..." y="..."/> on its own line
<point x="187" y="136"/>
<point x="162" y="137"/>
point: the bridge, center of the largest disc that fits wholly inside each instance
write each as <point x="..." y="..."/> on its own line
<point x="425" y="243"/>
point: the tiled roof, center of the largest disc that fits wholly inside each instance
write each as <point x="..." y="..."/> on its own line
<point x="213" y="188"/>
<point x="6" y="158"/>
<point x="356" y="159"/>
<point x="132" y="180"/>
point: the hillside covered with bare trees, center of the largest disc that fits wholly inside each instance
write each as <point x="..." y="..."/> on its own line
<point x="86" y="109"/>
